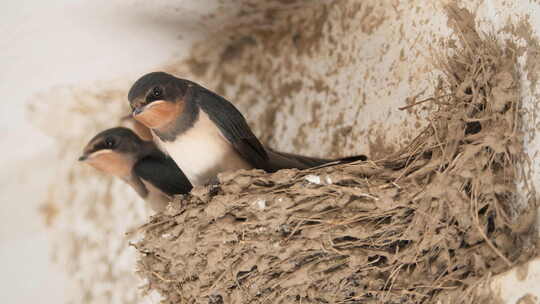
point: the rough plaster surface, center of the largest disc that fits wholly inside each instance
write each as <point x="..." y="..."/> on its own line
<point x="325" y="78"/>
<point x="520" y="285"/>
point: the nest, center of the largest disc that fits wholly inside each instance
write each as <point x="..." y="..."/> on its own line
<point x="436" y="217"/>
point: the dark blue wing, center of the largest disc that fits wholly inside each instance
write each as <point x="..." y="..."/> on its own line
<point x="164" y="174"/>
<point x="233" y="126"/>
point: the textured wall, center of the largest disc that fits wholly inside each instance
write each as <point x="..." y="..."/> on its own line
<point x="329" y="79"/>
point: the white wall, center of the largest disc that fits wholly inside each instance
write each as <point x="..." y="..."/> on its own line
<point x="58" y="44"/>
<point x="74" y="61"/>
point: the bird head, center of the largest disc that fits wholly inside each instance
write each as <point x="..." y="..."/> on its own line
<point x="157" y="99"/>
<point x="113" y="151"/>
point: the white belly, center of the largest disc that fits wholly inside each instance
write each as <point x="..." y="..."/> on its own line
<point x="202" y="152"/>
<point x="157" y="200"/>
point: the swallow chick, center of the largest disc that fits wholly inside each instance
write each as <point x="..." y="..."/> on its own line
<point x="152" y="174"/>
<point x="203" y="132"/>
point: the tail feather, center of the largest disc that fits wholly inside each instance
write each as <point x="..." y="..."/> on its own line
<point x="282" y="160"/>
<point x="350" y="159"/>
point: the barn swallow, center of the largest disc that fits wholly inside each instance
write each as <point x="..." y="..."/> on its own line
<point x="203" y="132"/>
<point x="152" y="174"/>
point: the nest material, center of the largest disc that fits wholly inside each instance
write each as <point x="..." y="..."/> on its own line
<point x="436" y="217"/>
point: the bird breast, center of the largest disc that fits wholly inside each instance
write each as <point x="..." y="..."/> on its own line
<point x="202" y="152"/>
<point x="156" y="199"/>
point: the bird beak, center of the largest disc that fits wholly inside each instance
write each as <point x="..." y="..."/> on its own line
<point x="138" y="110"/>
<point x="94" y="156"/>
<point x="141" y="109"/>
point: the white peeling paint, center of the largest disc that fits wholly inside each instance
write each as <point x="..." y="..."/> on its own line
<point x="314" y="179"/>
<point x="261" y="204"/>
<point x="328" y="180"/>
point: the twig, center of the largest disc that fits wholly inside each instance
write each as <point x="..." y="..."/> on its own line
<point x="163" y="278"/>
<point x="391" y="279"/>
<point x="425" y="100"/>
<point x="488" y="241"/>
<point x="293" y="232"/>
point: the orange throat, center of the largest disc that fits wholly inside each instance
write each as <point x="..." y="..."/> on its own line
<point x="159" y="113"/>
<point x="111" y="163"/>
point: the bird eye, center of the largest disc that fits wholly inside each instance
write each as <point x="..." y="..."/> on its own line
<point x="109" y="143"/>
<point x="156" y="92"/>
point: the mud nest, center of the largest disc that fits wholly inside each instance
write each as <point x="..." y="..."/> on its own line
<point x="438" y="216"/>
